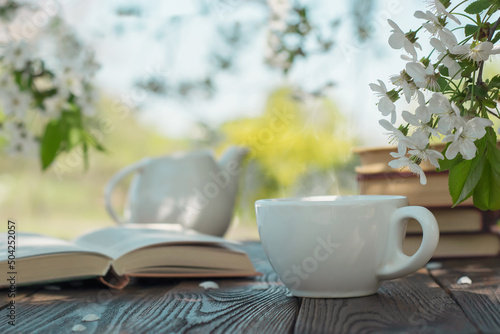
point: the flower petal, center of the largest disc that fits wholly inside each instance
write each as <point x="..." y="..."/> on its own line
<point x="423" y="178"/>
<point x="396" y="41"/>
<point x="460" y="49"/>
<point x="386" y="106"/>
<point x="438" y="45"/>
<point x="468" y="149"/>
<point x="410" y="118"/>
<point x="452" y="150"/>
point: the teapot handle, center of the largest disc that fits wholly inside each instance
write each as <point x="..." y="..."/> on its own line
<point x="115" y="179"/>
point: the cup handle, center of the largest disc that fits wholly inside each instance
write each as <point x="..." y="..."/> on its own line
<point x="396" y="263"/>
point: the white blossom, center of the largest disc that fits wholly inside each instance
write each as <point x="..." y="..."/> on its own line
<point x="422" y="111"/>
<point x="69" y="81"/>
<point x="409" y="87"/>
<point x="20" y="141"/>
<point x="479" y="52"/>
<point x="54" y="105"/>
<point x="279" y="7"/>
<point x="17" y="54"/>
<point x="420" y="125"/>
<point x="279" y="12"/>
<point x="395" y="135"/>
<point x="78" y="328"/>
<point x="70" y="49"/>
<point x="464" y="137"/>
<point x="399" y="40"/>
<point x="448" y="113"/>
<point x="403" y="162"/>
<point x="15" y="102"/>
<point x="424" y="77"/>
<point x="435" y="27"/>
<point x="91" y="317"/>
<point x="421" y="141"/>
<point x="439" y="8"/>
<point x="451" y="64"/>
<point x="209" y="285"/>
<point x="385" y="104"/>
<point x="448" y="38"/>
<point x="7" y="82"/>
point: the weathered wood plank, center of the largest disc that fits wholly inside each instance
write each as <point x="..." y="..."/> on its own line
<point x="239" y="305"/>
<point x="414" y="304"/>
<point x="20" y="294"/>
<point x="480" y="300"/>
<point x="256" y="305"/>
<point x="57" y="311"/>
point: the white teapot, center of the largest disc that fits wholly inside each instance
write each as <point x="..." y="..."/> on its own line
<point x="191" y="189"/>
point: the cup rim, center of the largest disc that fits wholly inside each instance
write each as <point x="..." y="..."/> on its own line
<point x="329" y="200"/>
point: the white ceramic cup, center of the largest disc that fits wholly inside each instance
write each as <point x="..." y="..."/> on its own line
<point x="341" y="246"/>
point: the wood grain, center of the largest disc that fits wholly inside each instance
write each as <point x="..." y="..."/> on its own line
<point x="414" y="304"/>
<point x="480" y="300"/>
<point x="57" y="311"/>
<point x="156" y="306"/>
<point x="256" y="305"/>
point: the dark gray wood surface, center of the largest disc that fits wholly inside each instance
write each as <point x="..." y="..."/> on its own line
<point x="414" y="304"/>
<point x="420" y="303"/>
<point x="480" y="300"/>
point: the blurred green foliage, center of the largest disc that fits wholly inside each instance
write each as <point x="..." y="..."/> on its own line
<point x="67" y="199"/>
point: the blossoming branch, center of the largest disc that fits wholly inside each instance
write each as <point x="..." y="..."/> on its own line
<point x="456" y="104"/>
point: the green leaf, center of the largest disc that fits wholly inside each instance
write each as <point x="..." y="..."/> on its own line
<point x="490" y="103"/>
<point x="464" y="177"/>
<point x="487" y="191"/>
<point x="467" y="71"/>
<point x="443" y="70"/>
<point x="494" y="82"/>
<point x="93" y="141"/>
<point x="74" y="137"/>
<point x="443" y="84"/>
<point x="85" y="155"/>
<point x="477" y="6"/>
<point x="446" y="164"/>
<point x="51" y="141"/>
<point x="494" y="7"/>
<point x="470" y="29"/>
<point x="496" y="38"/>
<point x="481" y="91"/>
<point x="493" y="151"/>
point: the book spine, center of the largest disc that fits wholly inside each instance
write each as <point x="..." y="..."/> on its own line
<point x="491" y="221"/>
<point x="392" y="175"/>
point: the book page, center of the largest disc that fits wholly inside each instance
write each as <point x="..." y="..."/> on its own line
<point x="31" y="244"/>
<point x="119" y="240"/>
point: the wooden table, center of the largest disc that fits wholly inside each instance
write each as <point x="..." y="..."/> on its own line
<point x="429" y="301"/>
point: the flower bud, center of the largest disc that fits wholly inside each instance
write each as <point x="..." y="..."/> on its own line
<point x="393" y="95"/>
<point x="411" y="36"/>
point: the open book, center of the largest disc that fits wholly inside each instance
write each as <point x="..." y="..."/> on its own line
<point x="114" y="254"/>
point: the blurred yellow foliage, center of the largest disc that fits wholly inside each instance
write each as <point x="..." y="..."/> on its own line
<point x="292" y="137"/>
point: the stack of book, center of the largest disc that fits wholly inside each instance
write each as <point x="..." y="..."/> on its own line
<point x="465" y="230"/>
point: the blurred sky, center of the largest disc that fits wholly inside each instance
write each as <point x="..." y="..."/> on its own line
<point x="131" y="47"/>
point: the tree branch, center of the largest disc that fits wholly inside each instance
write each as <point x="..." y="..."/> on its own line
<point x="481" y="63"/>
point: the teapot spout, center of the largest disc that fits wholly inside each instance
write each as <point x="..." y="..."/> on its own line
<point x="232" y="158"/>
